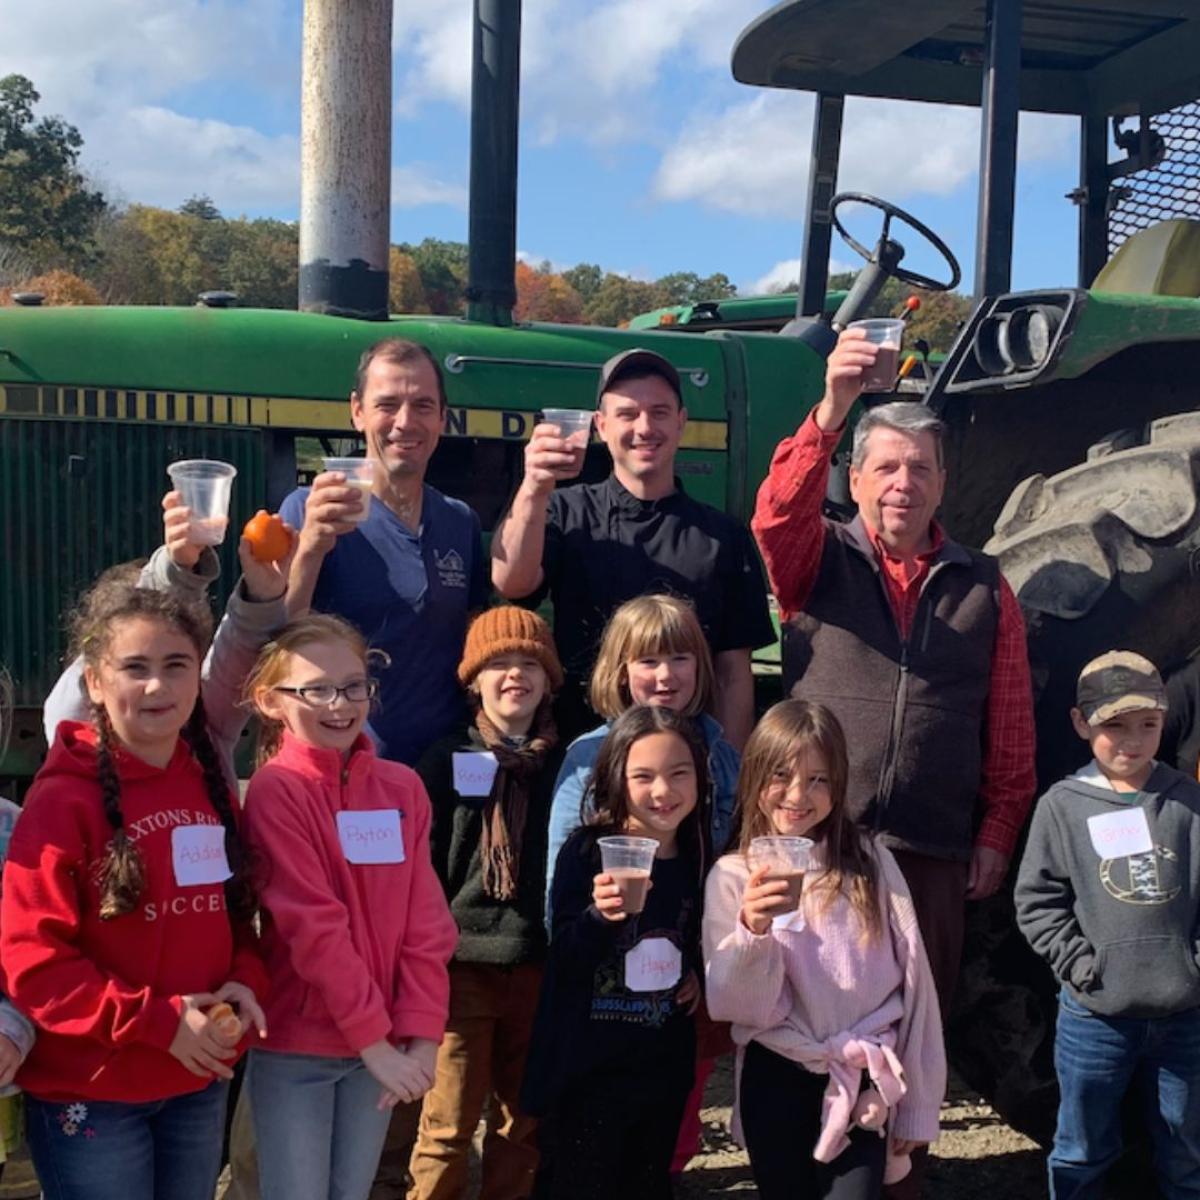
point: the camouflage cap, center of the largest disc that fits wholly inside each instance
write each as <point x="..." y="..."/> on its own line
<point x="1119" y="682"/>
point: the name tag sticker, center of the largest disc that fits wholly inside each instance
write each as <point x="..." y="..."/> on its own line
<point x="1120" y="834"/>
<point x="653" y="965"/>
<point x="474" y="771"/>
<point x="371" y="837"/>
<point x="198" y="854"/>
<point x="793" y="920"/>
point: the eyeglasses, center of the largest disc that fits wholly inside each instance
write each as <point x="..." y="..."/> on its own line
<point x="321" y="695"/>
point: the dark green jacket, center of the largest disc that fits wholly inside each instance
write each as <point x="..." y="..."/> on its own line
<point x="495" y="932"/>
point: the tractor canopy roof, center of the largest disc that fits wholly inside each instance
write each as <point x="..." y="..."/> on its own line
<point x="1077" y="56"/>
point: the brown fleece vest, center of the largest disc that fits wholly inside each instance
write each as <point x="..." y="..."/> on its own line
<point x="913" y="710"/>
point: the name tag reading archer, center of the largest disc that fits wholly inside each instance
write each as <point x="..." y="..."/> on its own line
<point x="1120" y="834"/>
<point x="198" y="855"/>
<point x="371" y="837"/>
<point x="653" y="965"/>
<point x="474" y="772"/>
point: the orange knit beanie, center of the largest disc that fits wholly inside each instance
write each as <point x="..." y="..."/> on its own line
<point x="509" y="630"/>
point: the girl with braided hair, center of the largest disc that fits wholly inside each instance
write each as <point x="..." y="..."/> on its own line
<point x="126" y="915"/>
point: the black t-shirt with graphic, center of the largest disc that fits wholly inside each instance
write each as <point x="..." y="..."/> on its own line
<point x="608" y="1016"/>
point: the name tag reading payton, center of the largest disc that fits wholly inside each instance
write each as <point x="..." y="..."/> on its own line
<point x="371" y="837"/>
<point x="198" y="854"/>
<point x="653" y="965"/>
<point x="474" y="772"/>
<point x="1120" y="834"/>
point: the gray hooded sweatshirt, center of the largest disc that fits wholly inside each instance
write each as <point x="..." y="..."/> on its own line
<point x="1109" y="892"/>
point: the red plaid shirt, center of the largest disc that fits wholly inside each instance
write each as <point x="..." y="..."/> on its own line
<point x="791" y="534"/>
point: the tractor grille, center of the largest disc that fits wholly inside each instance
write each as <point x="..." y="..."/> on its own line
<point x="1171" y="189"/>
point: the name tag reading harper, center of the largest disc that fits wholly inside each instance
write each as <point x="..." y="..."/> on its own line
<point x="371" y="837"/>
<point x="653" y="965"/>
<point x="198" y="855"/>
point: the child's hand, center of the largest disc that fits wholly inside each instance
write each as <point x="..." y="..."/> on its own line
<point x="177" y="523"/>
<point x="688" y="996"/>
<point x="10" y="1060"/>
<point x="398" y="1073"/>
<point x="425" y="1051"/>
<point x="266" y="581"/>
<point x="246" y="1003"/>
<point x="607" y="898"/>
<point x="763" y="901"/>
<point x="197" y="1044"/>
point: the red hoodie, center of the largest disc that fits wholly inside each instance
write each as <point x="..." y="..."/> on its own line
<point x="106" y="995"/>
<point x="355" y="951"/>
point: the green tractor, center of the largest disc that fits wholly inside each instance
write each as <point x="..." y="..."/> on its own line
<point x="1074" y="434"/>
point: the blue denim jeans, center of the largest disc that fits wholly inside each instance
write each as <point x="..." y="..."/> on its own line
<point x="106" y="1150"/>
<point x="318" y="1129"/>
<point x="1097" y="1058"/>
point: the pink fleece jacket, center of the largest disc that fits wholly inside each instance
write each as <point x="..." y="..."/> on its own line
<point x="355" y="951"/>
<point x="814" y="991"/>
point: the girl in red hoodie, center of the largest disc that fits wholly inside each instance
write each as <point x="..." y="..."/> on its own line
<point x="126" y="916"/>
<point x="356" y="931"/>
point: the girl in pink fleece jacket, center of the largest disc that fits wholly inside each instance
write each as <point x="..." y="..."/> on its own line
<point x="356" y="931"/>
<point x="841" y="1068"/>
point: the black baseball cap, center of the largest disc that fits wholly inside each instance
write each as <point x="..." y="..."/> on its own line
<point x="637" y="362"/>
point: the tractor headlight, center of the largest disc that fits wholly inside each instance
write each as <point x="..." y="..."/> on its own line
<point x="1029" y="335"/>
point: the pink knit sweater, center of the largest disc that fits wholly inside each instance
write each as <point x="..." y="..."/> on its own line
<point x="817" y="993"/>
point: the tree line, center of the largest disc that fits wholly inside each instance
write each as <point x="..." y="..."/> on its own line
<point x="60" y="236"/>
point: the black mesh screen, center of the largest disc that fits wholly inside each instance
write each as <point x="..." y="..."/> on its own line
<point x="1171" y="189"/>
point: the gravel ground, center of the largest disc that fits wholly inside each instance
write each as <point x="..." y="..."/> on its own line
<point x="976" y="1156"/>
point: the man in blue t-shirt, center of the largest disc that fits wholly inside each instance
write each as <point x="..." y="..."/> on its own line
<point x="411" y="571"/>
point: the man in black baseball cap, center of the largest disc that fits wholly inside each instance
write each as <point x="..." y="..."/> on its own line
<point x="593" y="546"/>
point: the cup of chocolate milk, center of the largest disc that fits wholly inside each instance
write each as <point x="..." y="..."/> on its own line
<point x="787" y="857"/>
<point x="629" y="860"/>
<point x="885" y="333"/>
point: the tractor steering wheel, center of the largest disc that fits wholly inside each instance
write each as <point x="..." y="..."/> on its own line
<point x="872" y="256"/>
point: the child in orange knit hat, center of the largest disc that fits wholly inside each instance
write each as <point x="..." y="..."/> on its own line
<point x="491" y="785"/>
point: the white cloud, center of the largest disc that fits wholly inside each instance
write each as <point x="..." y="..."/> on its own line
<point x="413" y="185"/>
<point x="753" y="157"/>
<point x="783" y="276"/>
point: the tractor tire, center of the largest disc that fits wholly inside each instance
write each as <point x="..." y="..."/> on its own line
<point x="1102" y="556"/>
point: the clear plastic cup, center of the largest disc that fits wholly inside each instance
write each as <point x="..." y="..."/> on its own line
<point x="574" y="424"/>
<point x="787" y="857"/>
<point x="888" y="334"/>
<point x="629" y="860"/>
<point x="359" y="473"/>
<point x="205" y="485"/>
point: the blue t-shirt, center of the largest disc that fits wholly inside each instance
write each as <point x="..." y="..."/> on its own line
<point x="410" y="594"/>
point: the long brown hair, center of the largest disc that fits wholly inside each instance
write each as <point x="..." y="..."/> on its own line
<point x="122" y="873"/>
<point x="787" y="732"/>
<point x="605" y="803"/>
<point x="643" y="626"/>
<point x="273" y="664"/>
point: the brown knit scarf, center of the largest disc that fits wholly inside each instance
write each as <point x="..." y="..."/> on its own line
<point x="507" y="806"/>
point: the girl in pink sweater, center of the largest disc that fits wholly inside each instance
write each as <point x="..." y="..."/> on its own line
<point x="356" y="931"/>
<point x="841" y="1069"/>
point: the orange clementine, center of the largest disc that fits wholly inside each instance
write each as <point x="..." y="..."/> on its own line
<point x="268" y="539"/>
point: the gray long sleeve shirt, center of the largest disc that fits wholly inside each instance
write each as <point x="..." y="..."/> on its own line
<point x="1109" y="892"/>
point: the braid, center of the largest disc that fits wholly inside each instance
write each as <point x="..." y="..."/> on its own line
<point x="122" y="874"/>
<point x="239" y="888"/>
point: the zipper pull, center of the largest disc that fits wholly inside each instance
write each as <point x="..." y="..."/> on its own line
<point x="904" y="655"/>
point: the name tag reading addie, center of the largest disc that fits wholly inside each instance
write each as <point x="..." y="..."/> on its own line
<point x="1120" y="834"/>
<point x="474" y="772"/>
<point x="198" y="854"/>
<point x="653" y="965"/>
<point x="371" y="837"/>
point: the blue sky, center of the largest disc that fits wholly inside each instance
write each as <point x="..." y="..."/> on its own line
<point x="638" y="150"/>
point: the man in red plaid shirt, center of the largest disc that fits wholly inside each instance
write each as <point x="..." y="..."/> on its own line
<point x="914" y="641"/>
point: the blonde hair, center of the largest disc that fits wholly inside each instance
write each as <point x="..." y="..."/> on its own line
<point x="643" y="626"/>
<point x="274" y="662"/>
<point x="789" y="731"/>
